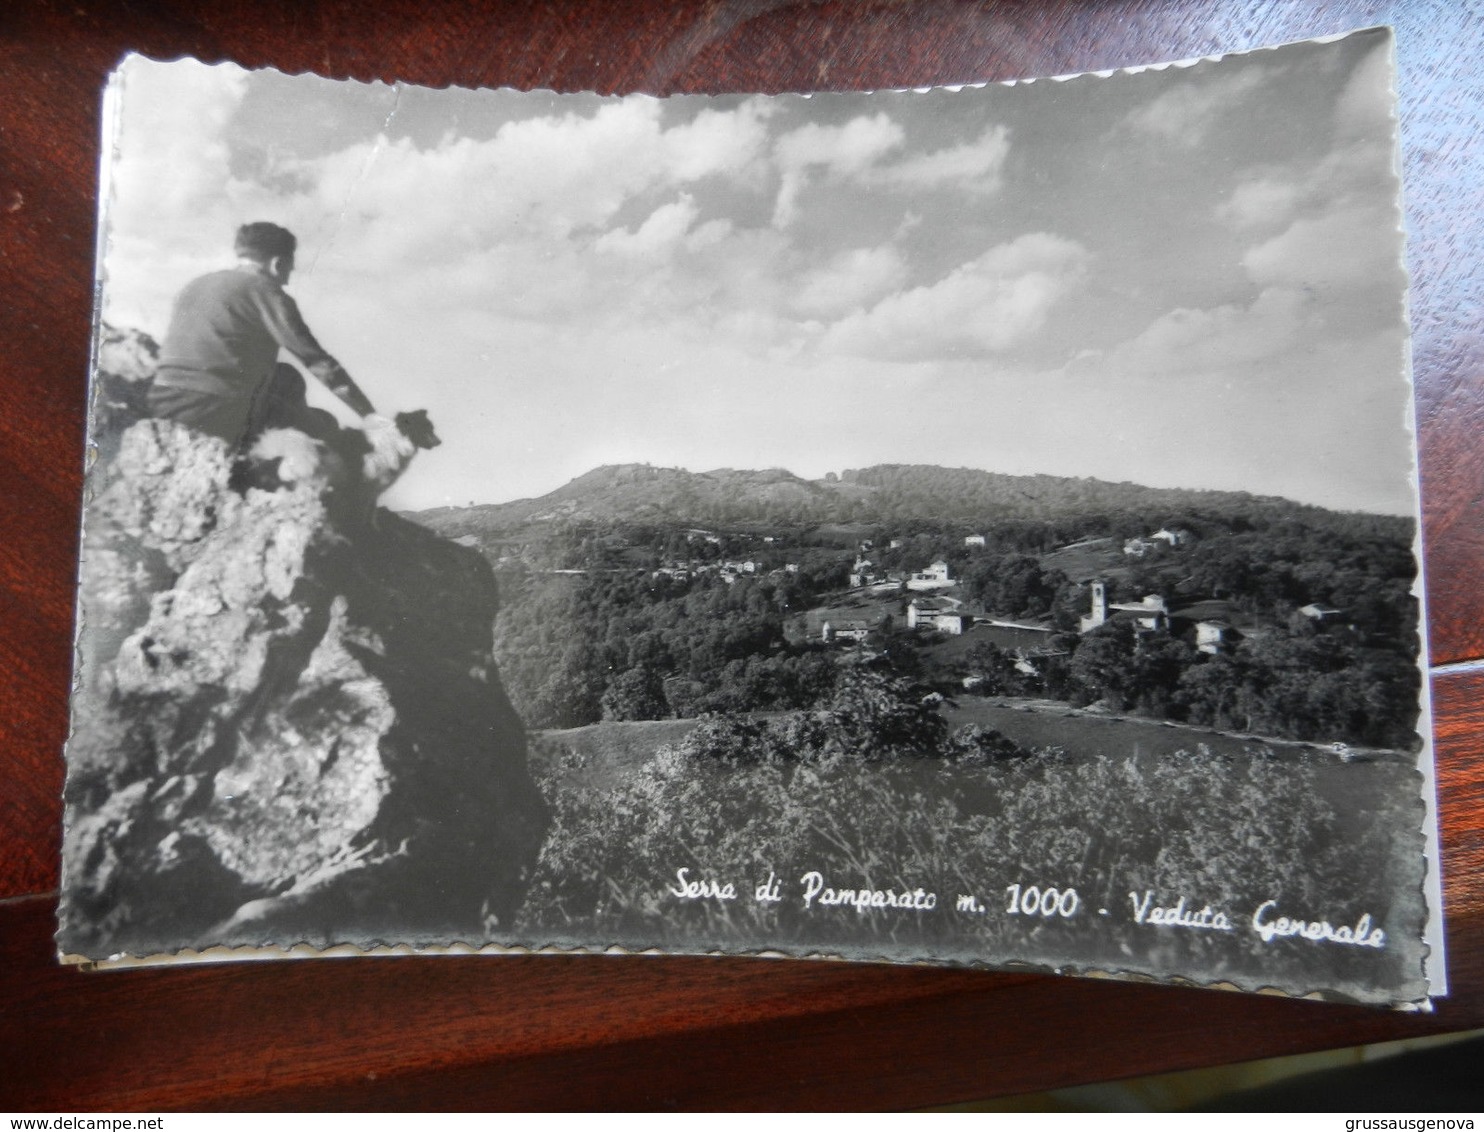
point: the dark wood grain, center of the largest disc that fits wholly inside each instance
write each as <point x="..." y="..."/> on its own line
<point x="647" y="1032"/>
<point x="1458" y="708"/>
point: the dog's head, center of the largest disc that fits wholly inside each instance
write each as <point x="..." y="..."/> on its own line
<point x="417" y="428"/>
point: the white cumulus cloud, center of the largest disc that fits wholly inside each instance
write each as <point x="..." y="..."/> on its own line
<point x="1355" y="167"/>
<point x="850" y="281"/>
<point x="851" y="148"/>
<point x="840" y="151"/>
<point x="975" y="165"/>
<point x="1350" y="248"/>
<point x="662" y="232"/>
<point x="1189" y="341"/>
<point x="864" y="151"/>
<point x="987" y="305"/>
<point x="1185" y="112"/>
<point x="173" y="160"/>
<point x="173" y="204"/>
<point x="718" y="141"/>
<point x="1261" y="202"/>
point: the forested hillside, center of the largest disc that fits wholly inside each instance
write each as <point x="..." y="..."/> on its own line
<point x="894" y="494"/>
<point x="640" y="593"/>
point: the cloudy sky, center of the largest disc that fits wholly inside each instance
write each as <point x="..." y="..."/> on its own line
<point x="1181" y="277"/>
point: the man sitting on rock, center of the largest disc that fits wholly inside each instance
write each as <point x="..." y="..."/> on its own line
<point x="222" y="346"/>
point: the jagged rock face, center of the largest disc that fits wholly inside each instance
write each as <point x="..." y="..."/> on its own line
<point x="125" y="369"/>
<point x="288" y="724"/>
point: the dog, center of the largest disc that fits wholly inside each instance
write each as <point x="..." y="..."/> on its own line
<point x="391" y="445"/>
<point x="353" y="466"/>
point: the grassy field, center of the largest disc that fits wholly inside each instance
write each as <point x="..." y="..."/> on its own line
<point x="1357" y="781"/>
<point x="609" y="750"/>
<point x="1116" y="807"/>
<point x="948" y="651"/>
<point x="603" y="754"/>
<point x="1083" y="562"/>
<point x="853" y="605"/>
<point x="1361" y="782"/>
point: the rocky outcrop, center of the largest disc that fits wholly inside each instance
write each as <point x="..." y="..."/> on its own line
<point x="124" y="369"/>
<point x="288" y="725"/>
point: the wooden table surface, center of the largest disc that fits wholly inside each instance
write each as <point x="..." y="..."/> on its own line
<point x="572" y="1031"/>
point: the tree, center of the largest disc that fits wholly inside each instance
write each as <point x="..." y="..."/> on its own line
<point x="1102" y="667"/>
<point x="1208" y="691"/>
<point x="638" y="693"/>
<point x="1158" y="662"/>
<point x="874" y="714"/>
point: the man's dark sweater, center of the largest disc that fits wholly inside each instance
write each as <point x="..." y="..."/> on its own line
<point x="222" y="347"/>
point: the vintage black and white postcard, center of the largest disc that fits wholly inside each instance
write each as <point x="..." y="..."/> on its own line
<point x="966" y="525"/>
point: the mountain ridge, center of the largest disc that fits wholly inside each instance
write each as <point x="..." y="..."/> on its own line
<point x="880" y="493"/>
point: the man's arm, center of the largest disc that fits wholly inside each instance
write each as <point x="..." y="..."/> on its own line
<point x="281" y="316"/>
<point x="334" y="378"/>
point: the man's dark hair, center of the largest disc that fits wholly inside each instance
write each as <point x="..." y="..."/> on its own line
<point x="261" y="241"/>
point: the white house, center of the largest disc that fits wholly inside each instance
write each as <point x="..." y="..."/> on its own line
<point x="834" y="631"/>
<point x="973" y="540"/>
<point x="1210" y="636"/>
<point x="935" y="577"/>
<point x="919" y="609"/>
<point x="952" y="624"/>
<point x="935" y="613"/>
<point x="1138" y="547"/>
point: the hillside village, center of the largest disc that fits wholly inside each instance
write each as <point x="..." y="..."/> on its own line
<point x="1212" y="623"/>
<point x="930" y="606"/>
<point x="1257" y="615"/>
